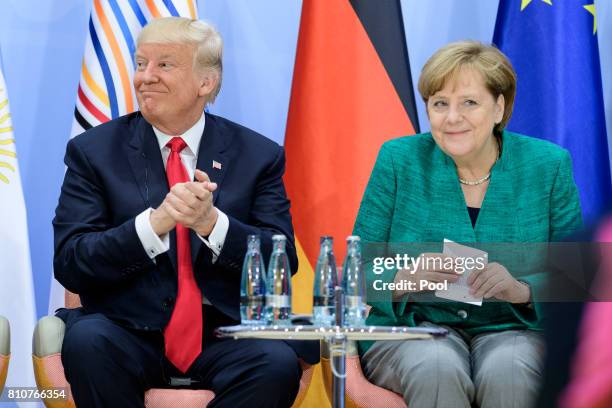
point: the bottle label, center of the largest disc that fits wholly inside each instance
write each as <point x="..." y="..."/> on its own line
<point x="353" y="301"/>
<point x="278" y="301"/>
<point x="251" y="300"/>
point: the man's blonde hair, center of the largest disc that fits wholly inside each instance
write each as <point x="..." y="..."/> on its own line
<point x="491" y="63"/>
<point x="208" y="53"/>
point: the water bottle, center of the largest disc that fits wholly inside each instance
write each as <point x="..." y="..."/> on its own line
<point x="353" y="283"/>
<point x="278" y="296"/>
<point x="253" y="285"/>
<point x="325" y="280"/>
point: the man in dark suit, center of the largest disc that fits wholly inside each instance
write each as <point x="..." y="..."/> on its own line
<point x="151" y="229"/>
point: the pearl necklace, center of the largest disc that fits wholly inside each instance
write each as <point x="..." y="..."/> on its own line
<point x="480" y="180"/>
<point x="475" y="182"/>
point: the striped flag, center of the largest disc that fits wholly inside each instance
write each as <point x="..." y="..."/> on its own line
<point x="16" y="290"/>
<point x="351" y="91"/>
<point x="340" y="113"/>
<point x="105" y="89"/>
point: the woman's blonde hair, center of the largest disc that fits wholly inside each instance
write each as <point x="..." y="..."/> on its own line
<point x="493" y="65"/>
<point x="208" y="54"/>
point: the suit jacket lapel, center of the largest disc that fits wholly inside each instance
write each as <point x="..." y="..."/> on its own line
<point x="212" y="156"/>
<point x="148" y="168"/>
<point x="213" y="159"/>
<point x="498" y="220"/>
<point x="448" y="216"/>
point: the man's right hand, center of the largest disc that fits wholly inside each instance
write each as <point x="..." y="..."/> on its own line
<point x="161" y="221"/>
<point x="177" y="200"/>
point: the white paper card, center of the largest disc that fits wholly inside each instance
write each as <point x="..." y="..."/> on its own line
<point x="459" y="290"/>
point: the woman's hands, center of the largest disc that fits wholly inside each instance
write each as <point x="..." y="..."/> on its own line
<point x="494" y="281"/>
<point x="432" y="267"/>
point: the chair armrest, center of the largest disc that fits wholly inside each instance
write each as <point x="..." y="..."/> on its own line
<point x="5" y="337"/>
<point x="48" y="336"/>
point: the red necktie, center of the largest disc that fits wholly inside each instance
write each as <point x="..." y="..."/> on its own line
<point x="183" y="334"/>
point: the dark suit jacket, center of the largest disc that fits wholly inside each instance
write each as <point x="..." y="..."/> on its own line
<point x="115" y="171"/>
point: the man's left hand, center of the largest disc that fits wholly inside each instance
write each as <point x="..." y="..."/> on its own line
<point x="190" y="204"/>
<point x="495" y="281"/>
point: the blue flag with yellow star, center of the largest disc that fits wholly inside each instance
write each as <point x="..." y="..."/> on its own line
<point x="553" y="47"/>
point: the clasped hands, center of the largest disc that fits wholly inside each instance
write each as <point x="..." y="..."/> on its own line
<point x="492" y="281"/>
<point x="189" y="204"/>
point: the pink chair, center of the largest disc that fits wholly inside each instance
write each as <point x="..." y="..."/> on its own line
<point x="49" y="371"/>
<point x="359" y="392"/>
<point x="591" y="380"/>
<point x="5" y="350"/>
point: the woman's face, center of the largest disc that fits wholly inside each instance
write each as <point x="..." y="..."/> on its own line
<point x="462" y="116"/>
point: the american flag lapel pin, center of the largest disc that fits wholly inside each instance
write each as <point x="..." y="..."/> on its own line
<point x="216" y="165"/>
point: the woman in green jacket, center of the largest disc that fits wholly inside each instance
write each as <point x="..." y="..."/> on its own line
<point x="469" y="180"/>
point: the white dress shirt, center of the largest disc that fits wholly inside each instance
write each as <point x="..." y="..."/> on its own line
<point x="152" y="243"/>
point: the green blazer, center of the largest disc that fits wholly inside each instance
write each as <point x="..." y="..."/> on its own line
<point x="414" y="196"/>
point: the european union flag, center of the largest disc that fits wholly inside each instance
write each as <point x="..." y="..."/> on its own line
<point x="553" y="47"/>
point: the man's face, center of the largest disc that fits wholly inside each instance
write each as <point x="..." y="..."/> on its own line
<point x="168" y="90"/>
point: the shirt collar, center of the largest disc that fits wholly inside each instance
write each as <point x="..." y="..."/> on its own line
<point x="193" y="136"/>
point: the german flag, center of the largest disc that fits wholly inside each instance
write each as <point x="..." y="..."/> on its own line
<point x="352" y="91"/>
